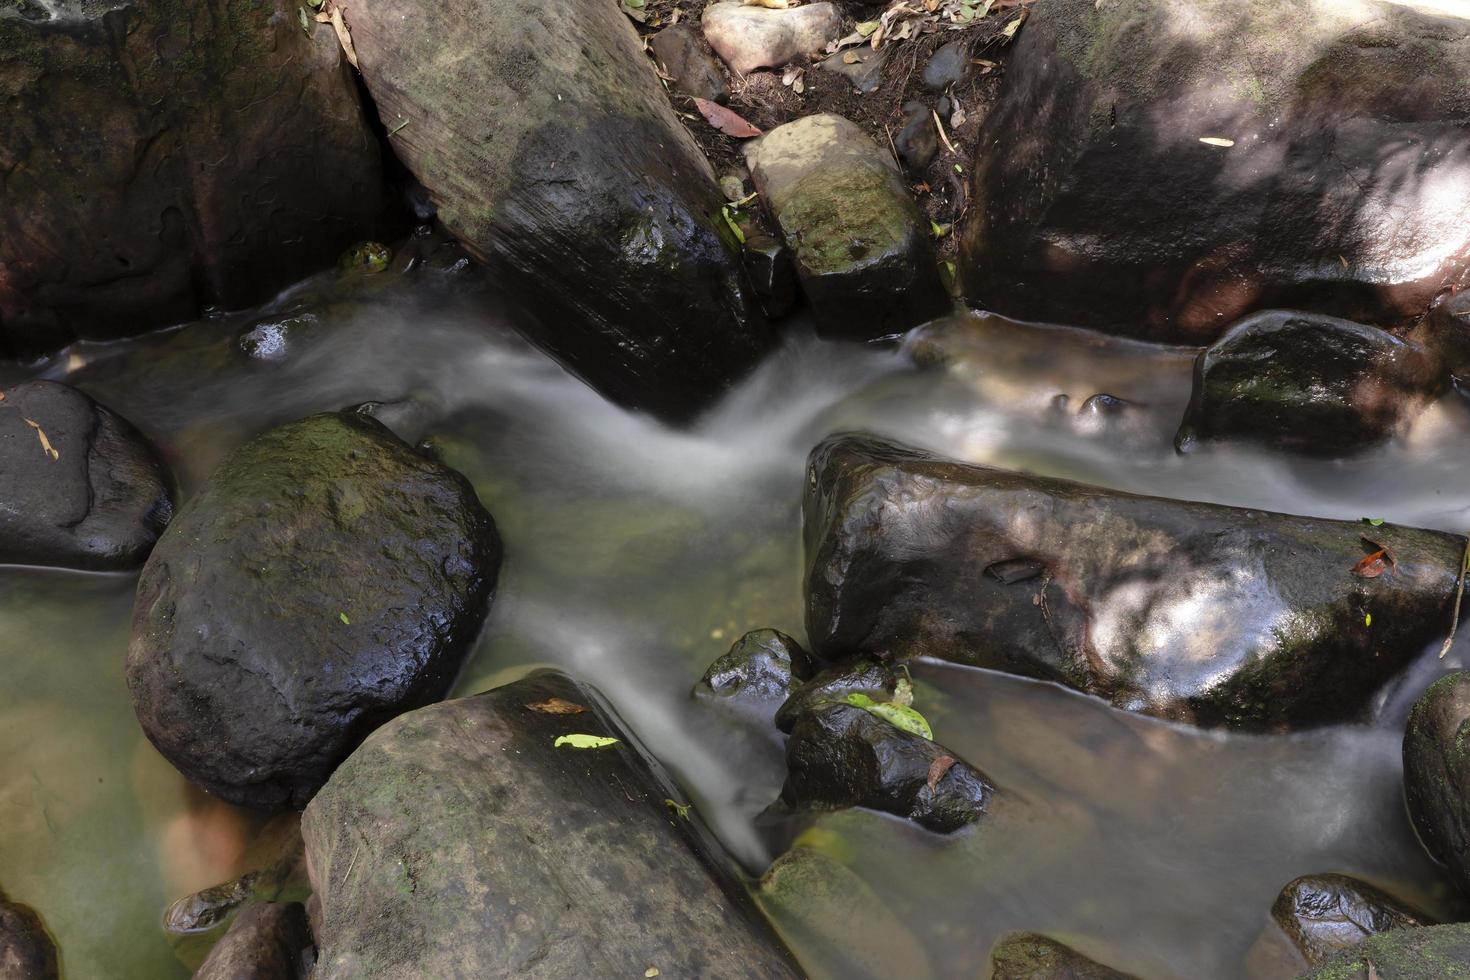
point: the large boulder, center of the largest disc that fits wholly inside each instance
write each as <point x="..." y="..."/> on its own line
<point x="79" y="486"/>
<point x="163" y="157"/>
<point x="324" y="579"/>
<point x="751" y="36"/>
<point x="862" y="250"/>
<point x="1437" y="772"/>
<point x="1324" y="914"/>
<point x="551" y="150"/>
<point x="461" y="840"/>
<point x="267" y="941"/>
<point x="1431" y="953"/>
<point x="1308" y="383"/>
<point x="1160" y="168"/>
<point x="1195" y="612"/>
<point x="26" y="950"/>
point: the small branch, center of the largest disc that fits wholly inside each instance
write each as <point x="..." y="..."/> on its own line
<point x="1459" y="596"/>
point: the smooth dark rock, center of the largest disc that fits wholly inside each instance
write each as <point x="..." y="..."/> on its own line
<point x="679" y="51"/>
<point x="864" y="71"/>
<point x="1195" y="612"/>
<point x="323" y="580"/>
<point x="862" y="252"/>
<point x="26" y="950"/>
<point x="159" y="159"/>
<point x="1028" y="956"/>
<point x="1345" y="189"/>
<point x="839" y="756"/>
<point x="548" y="143"/>
<point x="759" y="670"/>
<point x="866" y="675"/>
<point x="1430" y="953"/>
<point x="947" y="66"/>
<point x="772" y="272"/>
<point x="1446" y="332"/>
<point x="97" y="498"/>
<point x="1437" y="772"/>
<point x="1324" y="914"/>
<point x="267" y="941"/>
<point x="1308" y="383"/>
<point x="459" y="840"/>
<point x="918" y="140"/>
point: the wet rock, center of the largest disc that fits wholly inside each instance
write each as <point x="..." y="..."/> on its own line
<point x="1437" y="772"/>
<point x="681" y="55"/>
<point x="1308" y="383"/>
<point x="459" y="840"/>
<point x="947" y="66"/>
<point x="1446" y="332"/>
<point x="868" y="676"/>
<point x="918" y="141"/>
<point x="272" y="339"/>
<point x="772" y="272"/>
<point x="1028" y="956"/>
<point x="191" y="193"/>
<point x="748" y="37"/>
<point x="862" y="252"/>
<point x="548" y="142"/>
<point x="1431" y="953"/>
<point x="758" y="671"/>
<point x="79" y="486"/>
<point x="1104" y="414"/>
<point x="1212" y="615"/>
<point x="1323" y="914"/>
<point x="323" y="580"/>
<point x="268" y="941"/>
<point x="1344" y="188"/>
<point x="861" y="66"/>
<point x="26" y="951"/>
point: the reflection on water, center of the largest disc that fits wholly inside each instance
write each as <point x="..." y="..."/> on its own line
<point x="635" y="555"/>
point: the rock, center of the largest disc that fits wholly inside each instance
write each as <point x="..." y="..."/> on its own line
<point x="1308" y="383"/>
<point x="862" y="66"/>
<point x="758" y="671"/>
<point x="550" y="147"/>
<point x="79" y="486"/>
<point x="1028" y="956"/>
<point x="26" y="951"/>
<point x="1108" y="415"/>
<point x="1446" y="332"/>
<point x="862" y="251"/>
<point x="865" y="675"/>
<point x="273" y="338"/>
<point x="681" y="55"/>
<point x="154" y="155"/>
<point x="947" y="66"/>
<point x="839" y="756"/>
<point x="323" y="580"/>
<point x="1437" y="772"/>
<point x="747" y="38"/>
<point x="459" y="840"/>
<point x="1431" y="953"/>
<point x="918" y="141"/>
<point x="1323" y="914"/>
<point x="1194" y="612"/>
<point x="772" y="272"/>
<point x="1345" y="189"/>
<point x="268" y="941"/>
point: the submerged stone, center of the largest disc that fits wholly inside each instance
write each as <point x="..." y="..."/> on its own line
<point x="1430" y="953"/>
<point x="759" y="670"/>
<point x="26" y="951"/>
<point x="267" y="941"/>
<point x="1323" y="914"/>
<point x="324" y="579"/>
<point x="1437" y="772"/>
<point x="748" y="37"/>
<point x="1028" y="956"/>
<point x="1213" y="615"/>
<point x="79" y="486"/>
<point x="461" y="840"/>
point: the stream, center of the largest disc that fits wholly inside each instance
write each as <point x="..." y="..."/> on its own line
<point x="635" y="554"/>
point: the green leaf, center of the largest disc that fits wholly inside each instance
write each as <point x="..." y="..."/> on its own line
<point x="635" y="4"/>
<point x="900" y="716"/>
<point x="345" y="621"/>
<point x="680" y="809"/>
<point x="305" y="20"/>
<point x="584" y="741"/>
<point x="1375" y="521"/>
<point x="1368" y="619"/>
<point x="739" y="235"/>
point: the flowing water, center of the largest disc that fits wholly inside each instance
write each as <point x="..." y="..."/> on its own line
<point x="635" y="554"/>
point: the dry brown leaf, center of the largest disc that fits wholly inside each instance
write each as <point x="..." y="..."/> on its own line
<point x="938" y="768"/>
<point x="725" y="120"/>
<point x="557" y="706"/>
<point x="1371" y="566"/>
<point x="45" y="443"/>
<point x="344" y="36"/>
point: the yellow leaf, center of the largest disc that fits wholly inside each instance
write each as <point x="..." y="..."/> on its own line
<point x="1216" y="141"/>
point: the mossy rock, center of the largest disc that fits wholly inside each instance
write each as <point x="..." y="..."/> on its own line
<point x="1430" y="953"/>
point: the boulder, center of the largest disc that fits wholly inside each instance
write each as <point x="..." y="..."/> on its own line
<point x="1324" y="914"/>
<point x="544" y="136"/>
<point x="1161" y="168"/>
<point x="158" y="160"/>
<point x="1431" y="953"/>
<point x="1028" y="956"/>
<point x="79" y="486"/>
<point x="268" y="941"/>
<point x="26" y="951"/>
<point x="1446" y="331"/>
<point x="1308" y="383"/>
<point x="1195" y="612"/>
<point x="461" y="840"/>
<point x="1437" y="772"/>
<point x="758" y="672"/>
<point x="862" y="250"/>
<point x="323" y="580"/>
<point x="751" y="37"/>
<point x="680" y="54"/>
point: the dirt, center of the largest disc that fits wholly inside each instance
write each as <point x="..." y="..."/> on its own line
<point x="760" y="97"/>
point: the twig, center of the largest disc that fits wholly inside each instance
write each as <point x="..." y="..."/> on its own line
<point x="1459" y="596"/>
<point x="350" y="864"/>
<point x="942" y="135"/>
<point x="896" y="158"/>
<point x="399" y="128"/>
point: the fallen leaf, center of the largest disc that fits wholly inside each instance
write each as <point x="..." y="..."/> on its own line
<point x="651" y="972"/>
<point x="45" y="443"/>
<point x="344" y="36"/>
<point x="1375" y="521"/>
<point x="849" y="57"/>
<point x="725" y="120"/>
<point x="1216" y="141"/>
<point x="305" y="20"/>
<point x="680" y="809"/>
<point x="1370" y="566"/>
<point x="557" y="706"/>
<point x="1368" y="620"/>
<point x="1393" y="563"/>
<point x="899" y="716"/>
<point x="584" y="741"/>
<point x="769" y="4"/>
<point x="938" y="768"/>
<point x="735" y="230"/>
<point x="345" y="621"/>
<point x="1010" y="29"/>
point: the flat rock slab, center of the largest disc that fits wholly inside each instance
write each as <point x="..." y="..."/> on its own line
<point x="460" y="841"/>
<point x="750" y="37"/>
<point x="1195" y="612"/>
<point x="324" y="579"/>
<point x="862" y="251"/>
<point x="79" y="486"/>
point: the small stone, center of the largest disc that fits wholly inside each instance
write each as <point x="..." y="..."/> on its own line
<point x="918" y="141"/>
<point x="1324" y="914"/>
<point x="681" y="55"/>
<point x="271" y="340"/>
<point x="748" y="38"/>
<point x="947" y="66"/>
<point x="863" y="67"/>
<point x="733" y="187"/>
<point x="760" y="669"/>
